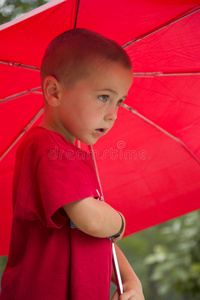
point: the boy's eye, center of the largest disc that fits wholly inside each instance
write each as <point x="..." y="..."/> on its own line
<point x="120" y="102"/>
<point x="103" y="98"/>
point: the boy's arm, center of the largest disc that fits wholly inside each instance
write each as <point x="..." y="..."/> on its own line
<point x="95" y="218"/>
<point x="131" y="284"/>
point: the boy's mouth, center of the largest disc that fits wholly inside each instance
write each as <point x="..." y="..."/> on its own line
<point x="101" y="131"/>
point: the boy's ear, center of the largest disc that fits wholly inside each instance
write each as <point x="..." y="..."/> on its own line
<point x="51" y="91"/>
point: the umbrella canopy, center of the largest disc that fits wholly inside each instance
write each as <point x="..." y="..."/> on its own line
<point x="149" y="172"/>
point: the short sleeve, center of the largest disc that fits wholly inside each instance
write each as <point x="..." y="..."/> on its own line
<point x="61" y="181"/>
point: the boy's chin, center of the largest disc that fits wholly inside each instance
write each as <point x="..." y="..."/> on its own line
<point x="90" y="143"/>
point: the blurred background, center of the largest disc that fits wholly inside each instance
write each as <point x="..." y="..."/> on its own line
<point x="166" y="257"/>
<point x="11" y="9"/>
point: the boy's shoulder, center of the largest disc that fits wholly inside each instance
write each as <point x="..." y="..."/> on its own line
<point x="40" y="141"/>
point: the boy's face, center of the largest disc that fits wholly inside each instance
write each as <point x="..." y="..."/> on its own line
<point x="88" y="110"/>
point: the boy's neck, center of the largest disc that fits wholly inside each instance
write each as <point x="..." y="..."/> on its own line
<point x="53" y="127"/>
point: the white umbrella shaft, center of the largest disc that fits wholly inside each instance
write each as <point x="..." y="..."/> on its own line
<point x="117" y="271"/>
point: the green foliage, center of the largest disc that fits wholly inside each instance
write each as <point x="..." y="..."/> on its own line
<point x="166" y="258"/>
<point x="11" y="9"/>
<point x="175" y="263"/>
<point x="3" y="261"/>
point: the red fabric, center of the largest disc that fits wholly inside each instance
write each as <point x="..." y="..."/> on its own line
<point x="153" y="177"/>
<point x="172" y="101"/>
<point x="47" y="259"/>
<point x="129" y="19"/>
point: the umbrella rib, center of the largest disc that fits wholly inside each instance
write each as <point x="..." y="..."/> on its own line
<point x="172" y="21"/>
<point x="135" y="112"/>
<point x="22" y="133"/>
<point x="153" y="74"/>
<point x="19" y="65"/>
<point x="76" y="17"/>
<point x="30" y="91"/>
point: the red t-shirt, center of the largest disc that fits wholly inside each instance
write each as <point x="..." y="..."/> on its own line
<point x="49" y="259"/>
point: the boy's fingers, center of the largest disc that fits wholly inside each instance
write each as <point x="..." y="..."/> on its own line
<point x="129" y="295"/>
<point x="115" y="295"/>
<point x="126" y="297"/>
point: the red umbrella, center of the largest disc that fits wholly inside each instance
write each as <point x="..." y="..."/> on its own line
<point x="148" y="172"/>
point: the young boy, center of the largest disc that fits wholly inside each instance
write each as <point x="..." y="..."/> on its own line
<point x="60" y="247"/>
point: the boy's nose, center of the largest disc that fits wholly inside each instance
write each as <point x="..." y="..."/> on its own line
<point x="111" y="114"/>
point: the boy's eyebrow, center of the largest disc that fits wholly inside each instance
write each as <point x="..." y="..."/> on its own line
<point x="111" y="91"/>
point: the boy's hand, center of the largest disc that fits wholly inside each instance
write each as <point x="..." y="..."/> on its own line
<point x="132" y="291"/>
<point x="131" y="284"/>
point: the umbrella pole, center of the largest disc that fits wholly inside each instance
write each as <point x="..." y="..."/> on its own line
<point x="114" y="258"/>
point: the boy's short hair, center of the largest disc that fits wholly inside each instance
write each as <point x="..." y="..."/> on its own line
<point x="71" y="55"/>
